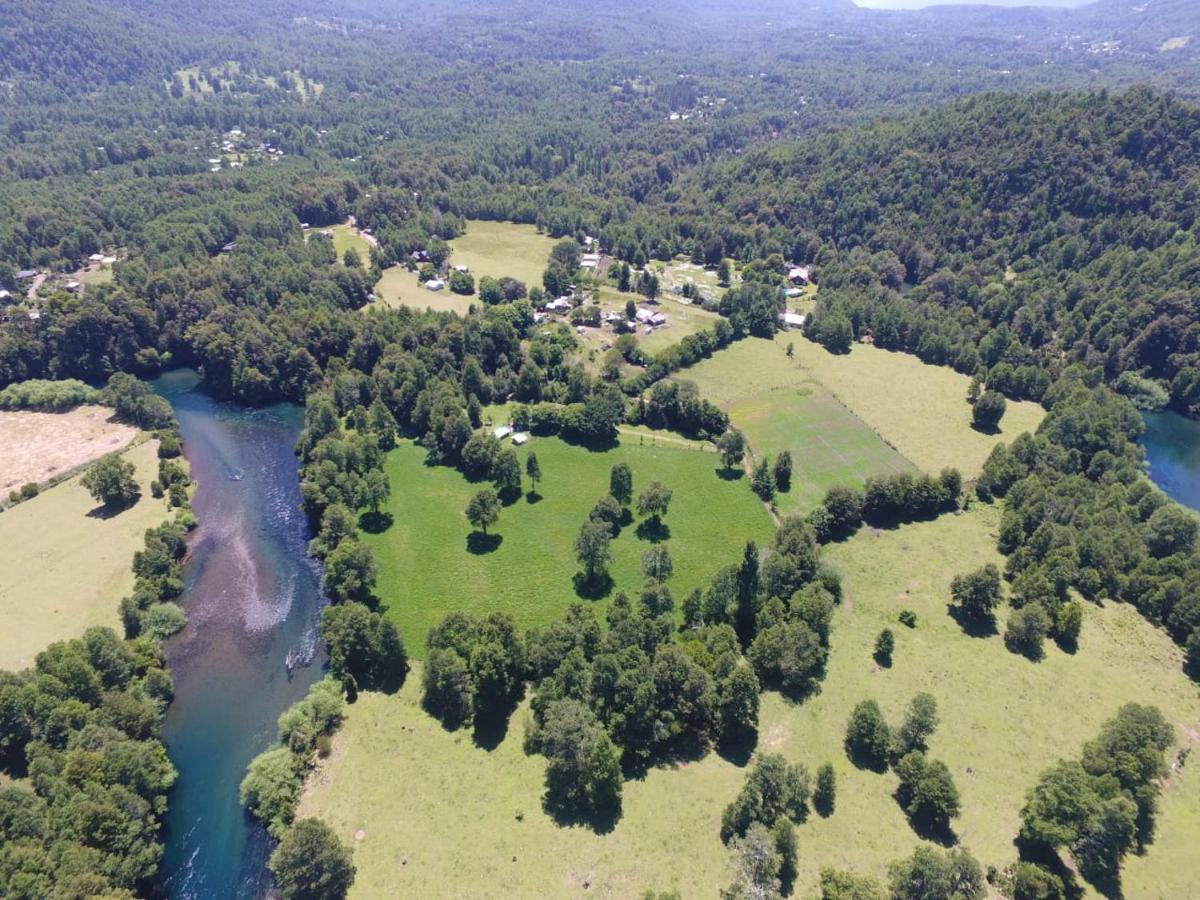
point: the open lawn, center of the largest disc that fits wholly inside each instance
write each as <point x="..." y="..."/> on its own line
<point x="439" y="815"/>
<point x="400" y="287"/>
<point x="65" y="567"/>
<point x="503" y="249"/>
<point x="920" y="410"/>
<point x="428" y="567"/>
<point x="38" y="446"/>
<point x="346" y="237"/>
<point x="780" y="407"/>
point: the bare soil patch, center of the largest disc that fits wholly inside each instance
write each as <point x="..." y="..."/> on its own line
<point x="37" y="446"/>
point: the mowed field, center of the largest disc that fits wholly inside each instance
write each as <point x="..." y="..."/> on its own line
<point x="400" y="287"/>
<point x="37" y="446"/>
<point x="439" y="815"/>
<point x="502" y="249"/>
<point x="919" y="409"/>
<point x="347" y="238"/>
<point x="63" y="567"/>
<point x="427" y="568"/>
<point x="778" y="406"/>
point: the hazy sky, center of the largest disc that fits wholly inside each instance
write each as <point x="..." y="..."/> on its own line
<point x="915" y="4"/>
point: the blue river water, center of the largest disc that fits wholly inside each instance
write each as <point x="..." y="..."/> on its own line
<point x="1172" y="445"/>
<point x="250" y="648"/>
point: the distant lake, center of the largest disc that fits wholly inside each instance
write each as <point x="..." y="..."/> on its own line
<point x="1172" y="445"/>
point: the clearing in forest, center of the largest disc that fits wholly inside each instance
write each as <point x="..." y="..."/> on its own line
<point x="430" y="566"/>
<point x="39" y="446"/>
<point x="439" y="814"/>
<point x="778" y="407"/>
<point x="64" y="565"/>
<point x="502" y="249"/>
<point x="346" y="237"/>
<point x="919" y="409"/>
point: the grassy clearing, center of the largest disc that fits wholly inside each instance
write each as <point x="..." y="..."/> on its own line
<point x="427" y="568"/>
<point x="503" y="248"/>
<point x="779" y="407"/>
<point x="39" y="446"/>
<point x="94" y="274"/>
<point x="347" y="238"/>
<point x="920" y="410"/>
<point x="400" y="287"/>
<point x="439" y="815"/>
<point x="64" y="568"/>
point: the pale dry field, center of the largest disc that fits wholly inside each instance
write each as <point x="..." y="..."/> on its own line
<point x="37" y="446"/>
<point x="65" y="568"/>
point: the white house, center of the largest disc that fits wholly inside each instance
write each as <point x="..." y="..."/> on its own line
<point x="5" y="295"/>
<point x="658" y="319"/>
<point x="643" y="315"/>
<point x="590" y="260"/>
<point x="501" y="432"/>
<point x="799" y="274"/>
<point x="73" y="286"/>
<point x="434" y="284"/>
<point x="792" y="320"/>
<point x="520" y="438"/>
<point x="561" y="303"/>
<point x="463" y="269"/>
<point x="96" y="257"/>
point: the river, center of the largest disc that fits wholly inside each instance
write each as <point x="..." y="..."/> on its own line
<point x="1172" y="445"/>
<point x="253" y="602"/>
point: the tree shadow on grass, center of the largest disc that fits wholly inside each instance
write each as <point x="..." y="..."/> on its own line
<point x="973" y="626"/>
<point x="730" y="474"/>
<point x="375" y="522"/>
<point x="532" y="497"/>
<point x="739" y="749"/>
<point x="592" y="588"/>
<point x="105" y="512"/>
<point x="566" y="815"/>
<point x="941" y="833"/>
<point x="653" y="530"/>
<point x="508" y="498"/>
<point x="867" y="761"/>
<point x="489" y="732"/>
<point x="595" y="445"/>
<point x="481" y="544"/>
<point x="883" y="660"/>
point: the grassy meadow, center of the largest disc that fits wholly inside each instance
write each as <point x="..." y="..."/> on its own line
<point x="780" y="407"/>
<point x="400" y="287"/>
<point x="428" y="568"/>
<point x="429" y="812"/>
<point x="347" y="238"/>
<point x="64" y="567"/>
<point x="503" y="249"/>
<point x="919" y="409"/>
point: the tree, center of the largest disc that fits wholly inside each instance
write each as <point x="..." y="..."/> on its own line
<point x="533" y="469"/>
<point x="789" y="656"/>
<point x="583" y="771"/>
<point x="462" y="283"/>
<point x="479" y="454"/>
<point x="724" y="273"/>
<point x="1027" y="628"/>
<point x="783" y="472"/>
<point x="974" y="388"/>
<point x="310" y="863"/>
<point x="762" y="482"/>
<point x="506" y="474"/>
<point x="592" y="550"/>
<point x="446" y="687"/>
<point x="756" y="865"/>
<point x="608" y="511"/>
<point x="484" y="509"/>
<point x="773" y="790"/>
<point x="350" y="572"/>
<point x="825" y="792"/>
<point x="654" y="501"/>
<point x="920" y="721"/>
<point x="737" y="702"/>
<point x="927" y="791"/>
<point x="363" y="645"/>
<point x="732" y="447"/>
<point x="110" y="481"/>
<point x="977" y="594"/>
<point x="988" y="410"/>
<point x="932" y="874"/>
<point x="868" y="738"/>
<point x="1170" y="529"/>
<point x="885" y="643"/>
<point x="657" y="564"/>
<point x="620" y="483"/>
